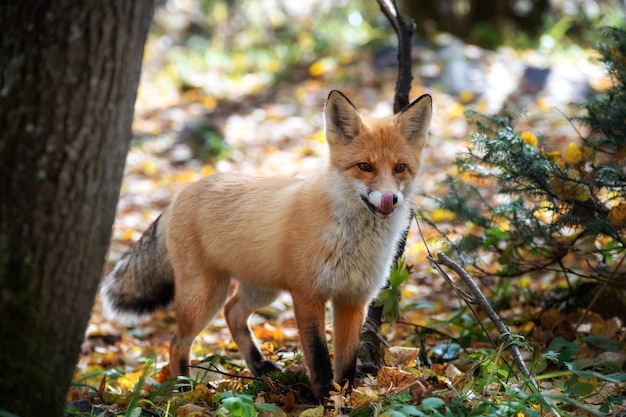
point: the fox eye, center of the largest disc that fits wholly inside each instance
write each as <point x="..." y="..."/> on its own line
<point x="364" y="166"/>
<point x="400" y="168"/>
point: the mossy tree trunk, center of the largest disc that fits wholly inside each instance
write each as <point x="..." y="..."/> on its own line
<point x="69" y="71"/>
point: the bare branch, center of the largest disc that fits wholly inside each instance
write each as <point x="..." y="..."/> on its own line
<point x="482" y="301"/>
<point x="404" y="29"/>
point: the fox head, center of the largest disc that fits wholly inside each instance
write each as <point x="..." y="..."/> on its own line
<point x="377" y="158"/>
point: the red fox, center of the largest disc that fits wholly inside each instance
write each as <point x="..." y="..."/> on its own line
<point x="330" y="237"/>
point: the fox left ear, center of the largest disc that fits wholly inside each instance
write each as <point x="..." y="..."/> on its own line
<point x="343" y="122"/>
<point x="414" y="119"/>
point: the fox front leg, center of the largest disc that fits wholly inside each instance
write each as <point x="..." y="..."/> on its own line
<point x="348" y="319"/>
<point x="310" y="319"/>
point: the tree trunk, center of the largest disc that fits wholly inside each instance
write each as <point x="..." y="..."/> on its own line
<point x="69" y="71"/>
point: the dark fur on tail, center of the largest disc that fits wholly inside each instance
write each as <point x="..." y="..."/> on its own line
<point x="142" y="280"/>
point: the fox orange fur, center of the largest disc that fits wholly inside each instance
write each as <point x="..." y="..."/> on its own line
<point x="330" y="237"/>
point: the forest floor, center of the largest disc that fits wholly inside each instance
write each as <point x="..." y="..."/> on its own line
<point x="278" y="129"/>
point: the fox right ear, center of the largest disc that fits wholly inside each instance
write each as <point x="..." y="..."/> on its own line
<point x="343" y="122"/>
<point x="414" y="119"/>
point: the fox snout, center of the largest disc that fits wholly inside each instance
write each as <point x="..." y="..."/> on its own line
<point x="382" y="204"/>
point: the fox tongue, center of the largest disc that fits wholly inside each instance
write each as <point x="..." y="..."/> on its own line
<point x="386" y="203"/>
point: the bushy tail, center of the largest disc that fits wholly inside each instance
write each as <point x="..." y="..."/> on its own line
<point x="142" y="280"/>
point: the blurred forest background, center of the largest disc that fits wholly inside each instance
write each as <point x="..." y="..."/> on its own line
<point x="240" y="85"/>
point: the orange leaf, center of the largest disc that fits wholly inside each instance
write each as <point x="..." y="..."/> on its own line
<point x="394" y="378"/>
<point x="617" y="216"/>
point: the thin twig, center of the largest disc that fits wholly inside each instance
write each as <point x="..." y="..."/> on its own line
<point x="215" y="370"/>
<point x="482" y="301"/>
<point x="462" y="294"/>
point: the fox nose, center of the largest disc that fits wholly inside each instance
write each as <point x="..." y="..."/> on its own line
<point x="387" y="202"/>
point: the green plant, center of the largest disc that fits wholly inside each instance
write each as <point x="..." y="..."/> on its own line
<point x="538" y="209"/>
<point x="239" y="405"/>
<point x="541" y="211"/>
<point x="389" y="297"/>
<point x="576" y="383"/>
<point x="133" y="409"/>
<point x="401" y="405"/>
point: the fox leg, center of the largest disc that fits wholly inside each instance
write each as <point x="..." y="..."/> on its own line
<point x="347" y="322"/>
<point x="310" y="313"/>
<point x="196" y="301"/>
<point x="238" y="309"/>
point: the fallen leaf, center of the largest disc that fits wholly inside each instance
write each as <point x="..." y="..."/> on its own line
<point x="400" y="355"/>
<point x="362" y="395"/>
<point x="420" y="390"/>
<point x="313" y="412"/>
<point x="191" y="410"/>
<point x="163" y="374"/>
<point x="394" y="378"/>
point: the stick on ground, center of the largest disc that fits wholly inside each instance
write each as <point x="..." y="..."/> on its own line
<point x="482" y="301"/>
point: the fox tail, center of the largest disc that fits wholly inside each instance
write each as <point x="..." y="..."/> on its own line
<point x="142" y="280"/>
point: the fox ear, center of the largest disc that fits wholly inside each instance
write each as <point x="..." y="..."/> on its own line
<point x="414" y="120"/>
<point x="343" y="122"/>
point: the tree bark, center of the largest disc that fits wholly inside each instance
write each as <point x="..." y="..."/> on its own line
<point x="69" y="71"/>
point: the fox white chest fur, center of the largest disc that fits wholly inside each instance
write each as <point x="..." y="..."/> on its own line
<point x="329" y="237"/>
<point x="362" y="251"/>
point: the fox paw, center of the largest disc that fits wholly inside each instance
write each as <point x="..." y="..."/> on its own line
<point x="264" y="367"/>
<point x="322" y="393"/>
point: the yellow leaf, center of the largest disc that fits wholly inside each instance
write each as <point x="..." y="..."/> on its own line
<point x="442" y="215"/>
<point x="128" y="234"/>
<point x="128" y="381"/>
<point x="273" y="65"/>
<point x="466" y="96"/>
<point x="555" y="157"/>
<point x="573" y="154"/>
<point x="527" y="327"/>
<point x="208" y="170"/>
<point x="150" y="168"/>
<point x="456" y="111"/>
<point x="313" y="412"/>
<point x="543" y="104"/>
<point x="240" y="61"/>
<point x="482" y="105"/>
<point x="362" y="395"/>
<point x="319" y="136"/>
<point x="529" y="138"/>
<point x="317" y="69"/>
<point x="525" y="281"/>
<point x="345" y="58"/>
<point x="306" y="40"/>
<point x="209" y="102"/>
